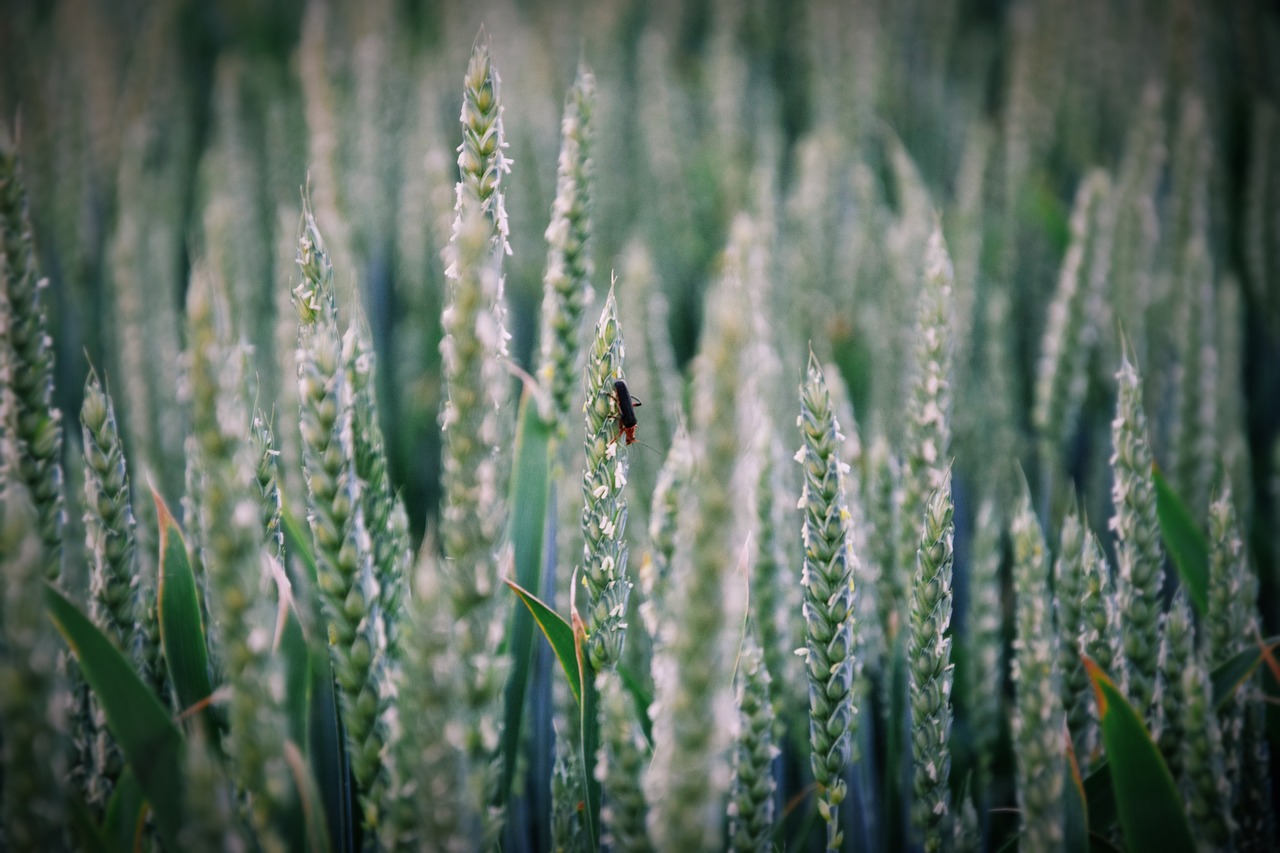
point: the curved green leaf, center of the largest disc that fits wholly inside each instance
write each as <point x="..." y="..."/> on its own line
<point x="312" y="705"/>
<point x="558" y="633"/>
<point x="296" y="651"/>
<point x="298" y="821"/>
<point x="126" y="814"/>
<point x="530" y="490"/>
<point x="641" y="698"/>
<point x="326" y="749"/>
<point x="588" y="734"/>
<point x="1186" y="542"/>
<point x="896" y="790"/>
<point x="568" y="642"/>
<point x="1100" y="797"/>
<point x="298" y="541"/>
<point x="1147" y="801"/>
<point x="1227" y="677"/>
<point x="181" y="628"/>
<point x="1236" y="670"/>
<point x="314" y="831"/>
<point x="151" y="743"/>
<point x="1075" y="805"/>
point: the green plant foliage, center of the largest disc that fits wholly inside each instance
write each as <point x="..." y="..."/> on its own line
<point x="298" y="542"/>
<point x="569" y="644"/>
<point x="559" y="634"/>
<point x="1238" y="669"/>
<point x="181" y="628"/>
<point x="1186" y="542"/>
<point x="530" y="491"/>
<point x="317" y="249"/>
<point x="1075" y="836"/>
<point x="1148" y="804"/>
<point x="328" y="758"/>
<point x="152" y="744"/>
<point x="126" y="814"/>
<point x="828" y="605"/>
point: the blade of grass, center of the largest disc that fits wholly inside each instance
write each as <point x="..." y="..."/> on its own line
<point x="327" y="752"/>
<point x="1270" y="688"/>
<point x="313" y="707"/>
<point x="314" y="835"/>
<point x="568" y="643"/>
<point x="530" y="489"/>
<point x="1076" y="823"/>
<point x="151" y="743"/>
<point x="1098" y="788"/>
<point x="296" y="824"/>
<point x="589" y="734"/>
<point x="1229" y="675"/>
<point x="1147" y="801"/>
<point x="641" y="698"/>
<point x="296" y="650"/>
<point x="558" y="633"/>
<point x="125" y="814"/>
<point x="181" y="628"/>
<point x="1186" y="542"/>
<point x="298" y="541"/>
<point x="1100" y="798"/>
<point x="898" y="768"/>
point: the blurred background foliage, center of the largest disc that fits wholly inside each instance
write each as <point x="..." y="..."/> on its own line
<point x="153" y="133"/>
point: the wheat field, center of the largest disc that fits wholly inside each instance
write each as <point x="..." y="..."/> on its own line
<point x="683" y="425"/>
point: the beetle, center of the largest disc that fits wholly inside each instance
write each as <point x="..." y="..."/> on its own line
<point x="626" y="411"/>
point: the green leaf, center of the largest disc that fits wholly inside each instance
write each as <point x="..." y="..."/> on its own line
<point x="1147" y="801"/>
<point x="568" y="643"/>
<point x="312" y="707"/>
<point x="589" y="734"/>
<point x="326" y="747"/>
<point x="1236" y="670"/>
<point x="558" y="633"/>
<point x="296" y="652"/>
<point x="640" y="697"/>
<point x="297" y="821"/>
<point x="1226" y="677"/>
<point x="314" y="834"/>
<point x="151" y="743"/>
<point x="1100" y="797"/>
<point x="1186" y="542"/>
<point x="1075" y="805"/>
<point x="298" y="541"/>
<point x="897" y="776"/>
<point x="126" y="814"/>
<point x="181" y="629"/>
<point x="530" y="489"/>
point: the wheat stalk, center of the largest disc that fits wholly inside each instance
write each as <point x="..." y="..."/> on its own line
<point x="29" y="411"/>
<point x="1039" y="723"/>
<point x="240" y="588"/>
<point x="347" y="586"/>
<point x="604" y="510"/>
<point x="570" y="268"/>
<point x="931" y="670"/>
<point x="115" y="604"/>
<point x="828" y="602"/>
<point x="1138" y="552"/>
<point x="751" y="793"/>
